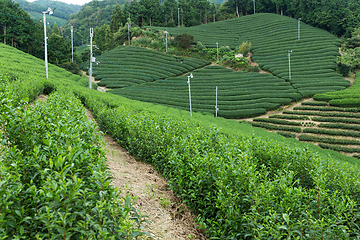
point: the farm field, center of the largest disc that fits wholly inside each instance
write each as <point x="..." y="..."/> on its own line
<point x="332" y="121"/>
<point x="239" y="94"/>
<point x="272" y="36"/>
<point x="126" y="66"/>
<point x="206" y="160"/>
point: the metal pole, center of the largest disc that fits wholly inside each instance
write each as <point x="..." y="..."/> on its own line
<point x="128" y="33"/>
<point x="216" y="108"/>
<point x="46" y="57"/>
<point x="290" y="51"/>
<point x="254" y="6"/>
<point x="190" y="76"/>
<point x="217" y="51"/>
<point x="91" y="57"/>
<point x="299" y="28"/>
<point x="166" y="39"/>
<point x="178" y="17"/>
<point x="72" y="44"/>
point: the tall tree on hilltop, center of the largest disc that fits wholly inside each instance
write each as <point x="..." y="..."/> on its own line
<point x="16" y="27"/>
<point x="118" y="18"/>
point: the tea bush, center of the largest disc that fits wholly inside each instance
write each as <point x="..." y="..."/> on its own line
<point x="241" y="187"/>
<point x="55" y="183"/>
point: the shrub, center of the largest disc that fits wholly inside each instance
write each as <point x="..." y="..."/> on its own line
<point x="245" y="48"/>
<point x="184" y="41"/>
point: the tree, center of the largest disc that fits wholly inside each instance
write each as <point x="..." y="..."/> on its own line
<point x="245" y="48"/>
<point x="17" y="28"/>
<point x="118" y="19"/>
<point x="184" y="41"/>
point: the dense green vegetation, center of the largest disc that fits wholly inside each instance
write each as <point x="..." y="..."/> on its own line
<point x="345" y="98"/>
<point x="62" y="13"/>
<point x="313" y="57"/>
<point x="126" y="66"/>
<point x="231" y="176"/>
<point x="18" y="30"/>
<point x="240" y="94"/>
<point x="330" y="127"/>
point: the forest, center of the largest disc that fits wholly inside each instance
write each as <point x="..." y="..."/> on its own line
<point x="109" y="19"/>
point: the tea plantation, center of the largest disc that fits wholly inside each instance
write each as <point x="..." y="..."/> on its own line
<point x="240" y="94"/>
<point x="332" y="122"/>
<point x="55" y="183"/>
<point x="272" y="36"/>
<point x="127" y="66"/>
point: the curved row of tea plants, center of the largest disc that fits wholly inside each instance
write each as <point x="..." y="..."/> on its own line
<point x="235" y="182"/>
<point x="349" y="97"/>
<point x="232" y="178"/>
<point x="239" y="94"/>
<point x="128" y="65"/>
<point x="326" y="124"/>
<point x="54" y="180"/>
<point x="313" y="56"/>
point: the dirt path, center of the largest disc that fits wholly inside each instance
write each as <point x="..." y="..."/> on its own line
<point x="101" y="89"/>
<point x="289" y="107"/>
<point x="168" y="217"/>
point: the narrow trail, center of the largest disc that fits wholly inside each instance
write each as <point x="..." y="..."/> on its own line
<point x="168" y="217"/>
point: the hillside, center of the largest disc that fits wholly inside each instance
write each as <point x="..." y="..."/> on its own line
<point x="56" y="162"/>
<point x="240" y="94"/>
<point x="272" y="36"/>
<point x="60" y="16"/>
<point x="91" y="15"/>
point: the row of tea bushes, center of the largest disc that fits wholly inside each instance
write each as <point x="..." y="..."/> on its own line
<point x="241" y="187"/>
<point x="345" y="98"/>
<point x="54" y="180"/>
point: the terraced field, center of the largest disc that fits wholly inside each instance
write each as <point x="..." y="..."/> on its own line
<point x="335" y="128"/>
<point x="126" y="66"/>
<point x="240" y="94"/>
<point x="272" y="36"/>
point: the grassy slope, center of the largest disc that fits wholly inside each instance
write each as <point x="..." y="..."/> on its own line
<point x="19" y="64"/>
<point x="22" y="65"/>
<point x="51" y="19"/>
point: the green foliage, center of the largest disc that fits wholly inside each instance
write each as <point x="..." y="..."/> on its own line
<point x="313" y="57"/>
<point x="287" y="134"/>
<point x="345" y="98"/>
<point x="234" y="181"/>
<point x="316" y="103"/>
<point x="245" y="48"/>
<point x="184" y="41"/>
<point x="276" y="127"/>
<point x="339" y="148"/>
<point x="57" y="183"/>
<point x="240" y="94"/>
<point x="209" y="169"/>
<point x="343" y="141"/>
<point x="277" y="121"/>
<point x="294" y="117"/>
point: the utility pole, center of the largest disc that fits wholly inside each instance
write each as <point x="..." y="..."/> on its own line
<point x="178" y="17"/>
<point x="290" y="51"/>
<point x="299" y="28"/>
<point x="72" y="44"/>
<point x="166" y="40"/>
<point x="188" y="82"/>
<point x="217" y="51"/>
<point x="254" y="6"/>
<point x="91" y="57"/>
<point x="216" y="107"/>
<point x="46" y="57"/>
<point x="128" y="33"/>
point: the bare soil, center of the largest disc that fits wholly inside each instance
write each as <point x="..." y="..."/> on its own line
<point x="168" y="217"/>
